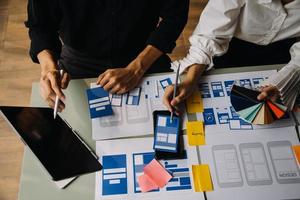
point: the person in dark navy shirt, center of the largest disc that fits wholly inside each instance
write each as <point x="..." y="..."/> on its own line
<point x="117" y="41"/>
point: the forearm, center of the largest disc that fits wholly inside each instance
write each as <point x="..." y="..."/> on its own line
<point x="194" y="72"/>
<point x="146" y="58"/>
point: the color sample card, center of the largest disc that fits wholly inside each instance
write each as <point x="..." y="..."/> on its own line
<point x="195" y="133"/>
<point x="296" y="149"/>
<point x="99" y="103"/>
<point x="133" y="97"/>
<point x="155" y="176"/>
<point x="194" y="103"/>
<point x="202" y="178"/>
<point x="245" y="103"/>
<point x="166" y="133"/>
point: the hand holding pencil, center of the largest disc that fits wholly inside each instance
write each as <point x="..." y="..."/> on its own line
<point x="51" y="83"/>
<point x="173" y="98"/>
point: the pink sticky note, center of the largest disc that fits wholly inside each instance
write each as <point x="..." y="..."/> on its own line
<point x="157" y="173"/>
<point x="146" y="184"/>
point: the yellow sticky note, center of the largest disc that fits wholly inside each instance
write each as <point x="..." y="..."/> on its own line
<point x="202" y="178"/>
<point x="194" y="103"/>
<point x="296" y="149"/>
<point x="195" y="133"/>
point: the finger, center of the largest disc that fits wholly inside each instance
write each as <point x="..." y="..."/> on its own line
<point x="266" y="91"/>
<point x="46" y="91"/>
<point x="50" y="102"/>
<point x="100" y="77"/>
<point x="178" y="99"/>
<point x="104" y="81"/>
<point x="54" y="85"/>
<point x="65" y="80"/>
<point x="109" y="85"/>
<point x="122" y="90"/>
<point x="262" y="95"/>
<point x="116" y="89"/>
<point x="61" y="106"/>
<point x="167" y="98"/>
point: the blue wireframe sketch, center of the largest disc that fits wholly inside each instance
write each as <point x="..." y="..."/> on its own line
<point x="114" y="175"/>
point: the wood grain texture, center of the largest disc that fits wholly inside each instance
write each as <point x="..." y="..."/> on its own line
<point x="17" y="73"/>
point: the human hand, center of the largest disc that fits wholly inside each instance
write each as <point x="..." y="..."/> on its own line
<point x="121" y="80"/>
<point x="51" y="83"/>
<point x="185" y="89"/>
<point x="270" y="92"/>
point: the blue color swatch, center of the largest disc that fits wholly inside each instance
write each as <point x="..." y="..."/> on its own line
<point x="99" y="103"/>
<point x="114" y="175"/>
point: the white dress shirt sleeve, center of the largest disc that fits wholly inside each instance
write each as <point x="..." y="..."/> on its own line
<point x="213" y="33"/>
<point x="287" y="80"/>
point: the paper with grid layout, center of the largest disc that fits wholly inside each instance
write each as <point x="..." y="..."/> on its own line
<point x="132" y="112"/>
<point x="123" y="162"/>
<point x="259" y="165"/>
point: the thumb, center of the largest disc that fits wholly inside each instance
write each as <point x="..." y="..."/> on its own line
<point x="267" y="91"/>
<point x="178" y="99"/>
<point x="65" y="79"/>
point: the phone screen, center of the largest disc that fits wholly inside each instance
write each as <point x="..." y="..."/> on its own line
<point x="180" y="154"/>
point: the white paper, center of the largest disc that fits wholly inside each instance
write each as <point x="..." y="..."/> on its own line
<point x="135" y="151"/>
<point x="133" y="120"/>
<point x="245" y="169"/>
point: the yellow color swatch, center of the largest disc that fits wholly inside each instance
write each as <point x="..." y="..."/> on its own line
<point x="194" y="103"/>
<point x="195" y="133"/>
<point x="296" y="149"/>
<point x="202" y="178"/>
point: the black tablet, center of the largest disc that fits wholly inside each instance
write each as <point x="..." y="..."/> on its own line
<point x="62" y="153"/>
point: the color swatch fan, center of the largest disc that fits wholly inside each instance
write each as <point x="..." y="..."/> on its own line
<point x="245" y="103"/>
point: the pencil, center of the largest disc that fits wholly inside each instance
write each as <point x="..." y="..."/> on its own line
<point x="56" y="98"/>
<point x="175" y="89"/>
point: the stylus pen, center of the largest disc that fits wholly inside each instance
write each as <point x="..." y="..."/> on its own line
<point x="175" y="89"/>
<point x="56" y="98"/>
<point x="84" y="143"/>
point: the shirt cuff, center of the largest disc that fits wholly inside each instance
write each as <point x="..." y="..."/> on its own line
<point x="42" y="41"/>
<point x="202" y="51"/>
<point x="287" y="81"/>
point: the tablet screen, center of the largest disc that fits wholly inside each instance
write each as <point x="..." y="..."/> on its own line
<point x="52" y="141"/>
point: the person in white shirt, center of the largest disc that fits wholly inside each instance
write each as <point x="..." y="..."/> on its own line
<point x="261" y="22"/>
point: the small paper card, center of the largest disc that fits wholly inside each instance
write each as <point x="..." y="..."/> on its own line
<point x="155" y="176"/>
<point x="99" y="103"/>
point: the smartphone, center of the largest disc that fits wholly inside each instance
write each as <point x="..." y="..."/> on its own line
<point x="180" y="154"/>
